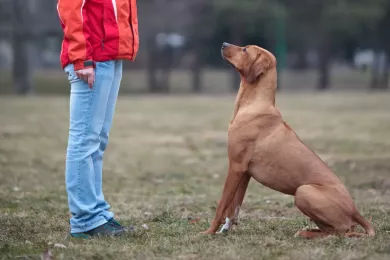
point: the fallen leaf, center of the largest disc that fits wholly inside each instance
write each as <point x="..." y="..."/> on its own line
<point x="145" y="226"/>
<point x="352" y="165"/>
<point x="158" y="180"/>
<point x="59" y="245"/>
<point x="195" y="220"/>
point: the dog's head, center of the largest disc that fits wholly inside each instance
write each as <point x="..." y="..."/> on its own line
<point x="250" y="61"/>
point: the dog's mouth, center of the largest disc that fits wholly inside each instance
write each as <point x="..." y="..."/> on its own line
<point x="231" y="64"/>
<point x="223" y="57"/>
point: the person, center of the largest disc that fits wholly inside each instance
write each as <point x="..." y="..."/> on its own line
<point x="98" y="36"/>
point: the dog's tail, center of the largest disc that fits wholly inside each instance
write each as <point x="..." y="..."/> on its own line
<point x="364" y="223"/>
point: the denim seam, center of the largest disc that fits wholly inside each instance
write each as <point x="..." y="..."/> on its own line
<point x="93" y="155"/>
<point x="87" y="125"/>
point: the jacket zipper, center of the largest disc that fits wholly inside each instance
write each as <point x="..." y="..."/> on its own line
<point x="131" y="25"/>
<point x="102" y="44"/>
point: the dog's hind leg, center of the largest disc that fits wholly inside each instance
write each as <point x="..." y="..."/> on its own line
<point x="355" y="234"/>
<point x="327" y="207"/>
<point x="233" y="210"/>
<point x="323" y="230"/>
<point x="311" y="234"/>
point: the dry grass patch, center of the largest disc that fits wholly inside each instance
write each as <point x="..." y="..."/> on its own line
<point x="165" y="165"/>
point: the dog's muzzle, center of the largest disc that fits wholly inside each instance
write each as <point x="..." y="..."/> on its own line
<point x="224" y="45"/>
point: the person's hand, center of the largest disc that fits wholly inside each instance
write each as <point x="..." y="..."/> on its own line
<point x="88" y="75"/>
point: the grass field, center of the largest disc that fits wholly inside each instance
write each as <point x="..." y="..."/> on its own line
<point x="166" y="164"/>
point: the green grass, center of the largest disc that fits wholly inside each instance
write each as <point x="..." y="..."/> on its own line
<point x="154" y="176"/>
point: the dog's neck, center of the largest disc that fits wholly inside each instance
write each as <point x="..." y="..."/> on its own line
<point x="261" y="92"/>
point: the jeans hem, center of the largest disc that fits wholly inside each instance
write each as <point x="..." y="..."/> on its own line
<point x="108" y="215"/>
<point x="88" y="227"/>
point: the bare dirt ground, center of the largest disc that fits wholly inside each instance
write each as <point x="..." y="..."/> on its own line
<point x="165" y="166"/>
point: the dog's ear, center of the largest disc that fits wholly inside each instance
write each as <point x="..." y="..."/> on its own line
<point x="259" y="66"/>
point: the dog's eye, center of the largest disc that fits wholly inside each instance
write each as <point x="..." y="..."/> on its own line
<point x="244" y="50"/>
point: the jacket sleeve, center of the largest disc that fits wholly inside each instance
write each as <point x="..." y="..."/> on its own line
<point x="76" y="31"/>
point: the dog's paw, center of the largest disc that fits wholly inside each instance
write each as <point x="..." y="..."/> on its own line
<point x="223" y="231"/>
<point x="207" y="232"/>
<point x="226" y="226"/>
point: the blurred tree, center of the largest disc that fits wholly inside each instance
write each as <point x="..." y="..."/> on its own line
<point x="24" y="24"/>
<point x="22" y="19"/>
<point x="153" y="15"/>
<point x="322" y="23"/>
<point x="332" y="28"/>
<point x="5" y="17"/>
<point x="159" y="19"/>
<point x="250" y="17"/>
<point x="199" y="33"/>
<point x="380" y="79"/>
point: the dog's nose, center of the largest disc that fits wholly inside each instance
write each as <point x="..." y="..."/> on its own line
<point x="225" y="44"/>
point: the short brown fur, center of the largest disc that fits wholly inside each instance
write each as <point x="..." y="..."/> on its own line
<point x="261" y="145"/>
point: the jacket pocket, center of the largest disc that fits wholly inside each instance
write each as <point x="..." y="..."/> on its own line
<point x="72" y="77"/>
<point x="110" y="28"/>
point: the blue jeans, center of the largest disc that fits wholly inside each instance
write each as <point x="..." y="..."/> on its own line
<point x="91" y="114"/>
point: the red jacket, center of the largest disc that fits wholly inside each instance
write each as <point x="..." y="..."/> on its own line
<point x="98" y="30"/>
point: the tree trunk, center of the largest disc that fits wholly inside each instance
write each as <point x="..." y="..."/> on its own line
<point x="385" y="80"/>
<point x="280" y="47"/>
<point x="323" y="63"/>
<point x="151" y="67"/>
<point x="166" y="62"/>
<point x="385" y="75"/>
<point x="21" y="40"/>
<point x="164" y="79"/>
<point x="196" y="74"/>
<point x="301" y="60"/>
<point x="375" y="73"/>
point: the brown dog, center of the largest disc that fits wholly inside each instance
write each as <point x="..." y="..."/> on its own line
<point x="261" y="145"/>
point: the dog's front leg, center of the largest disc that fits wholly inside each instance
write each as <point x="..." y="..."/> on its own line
<point x="233" y="180"/>
<point x="233" y="210"/>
